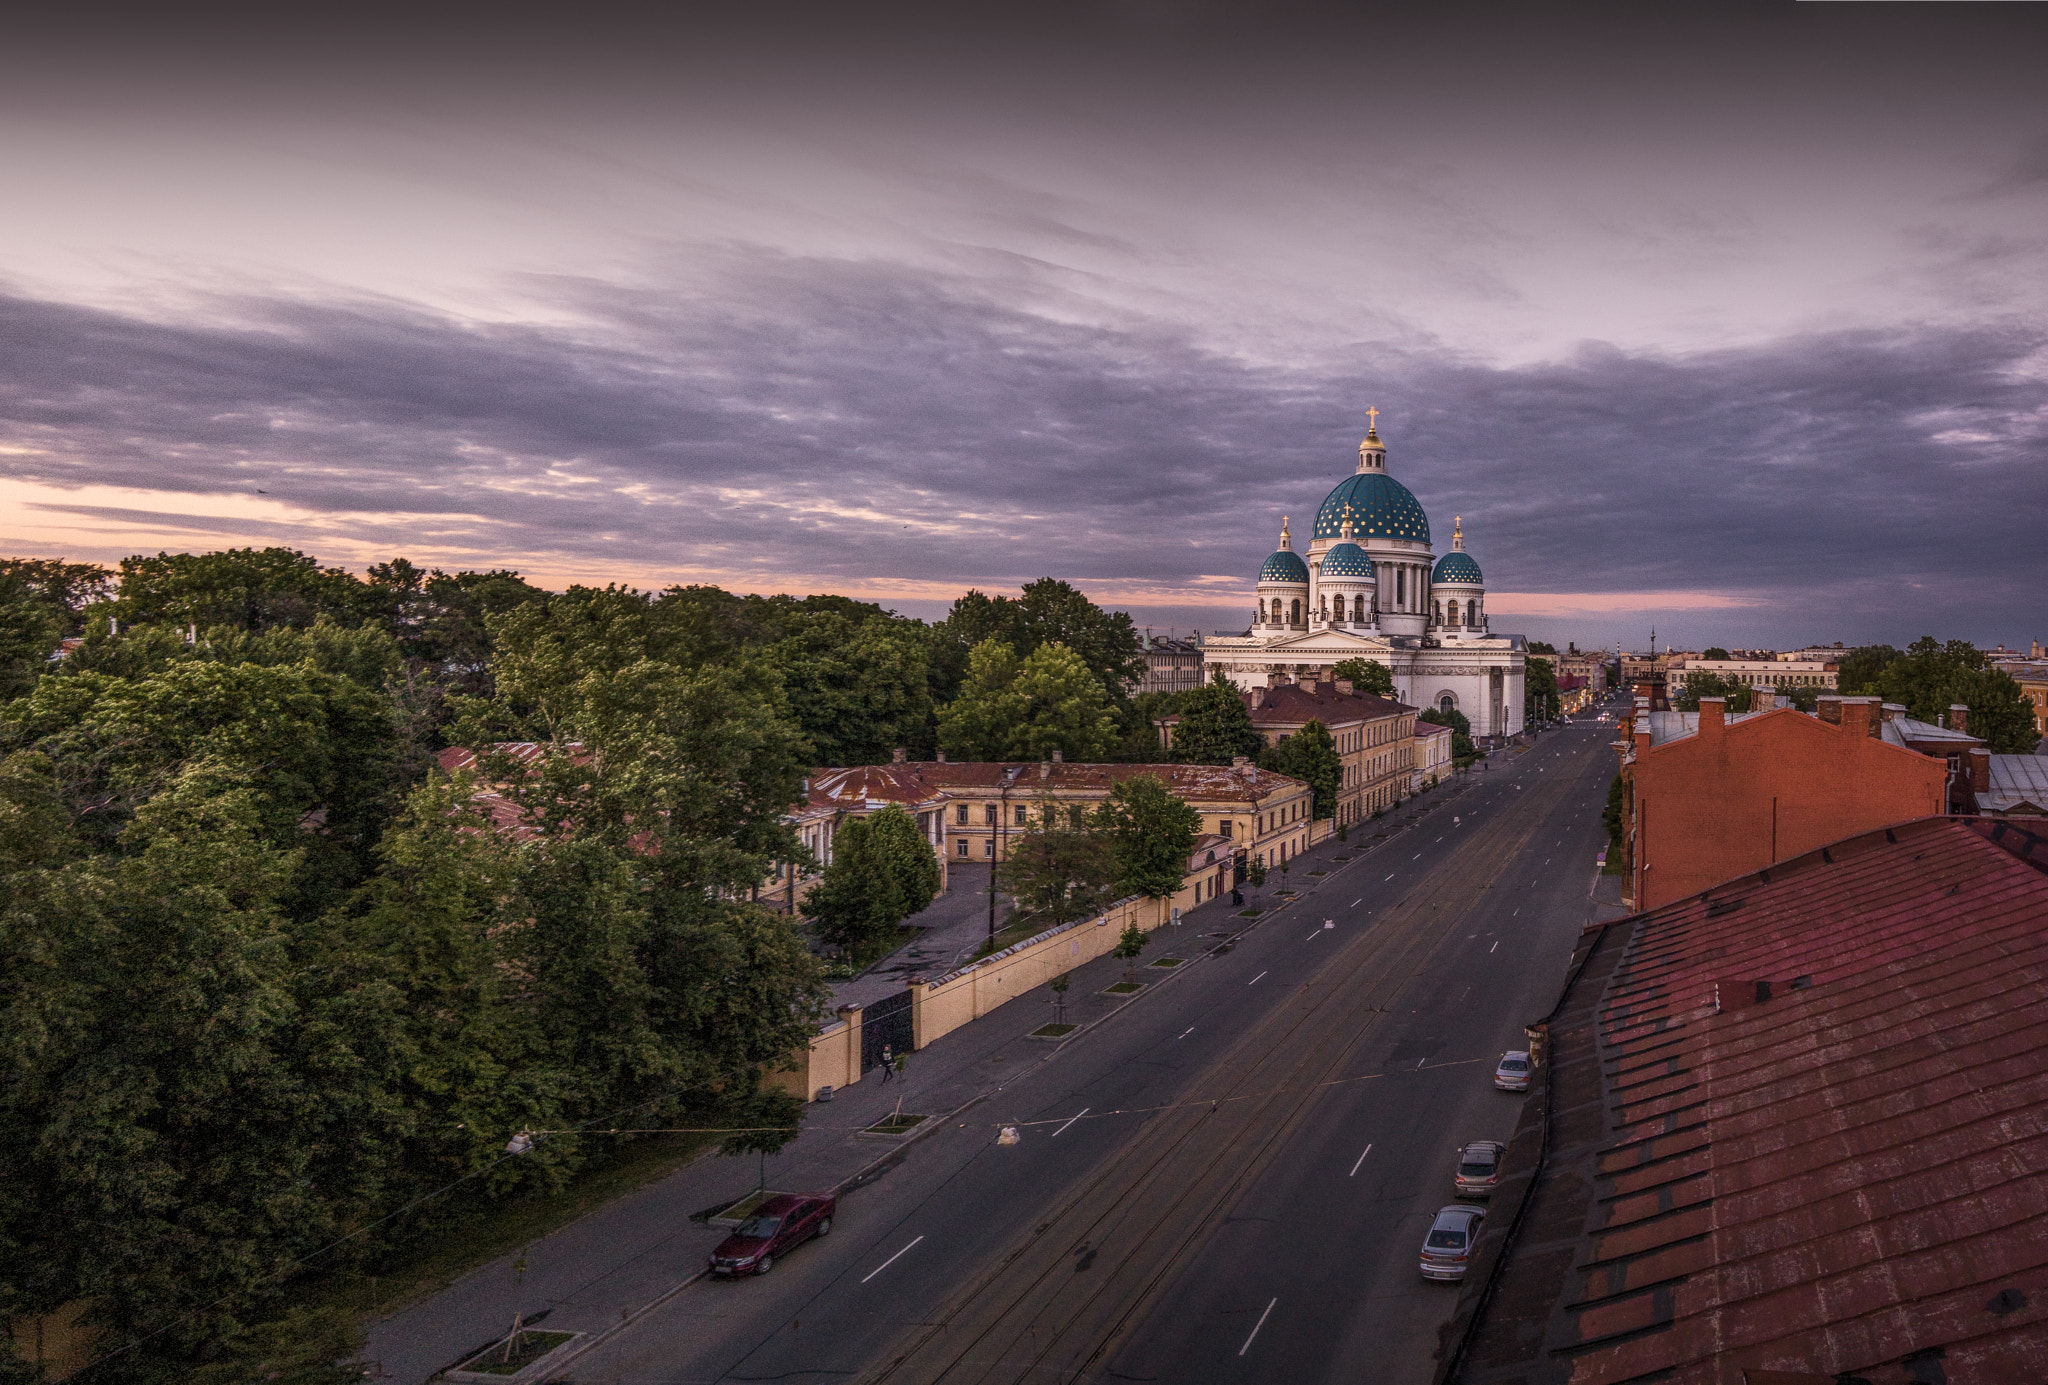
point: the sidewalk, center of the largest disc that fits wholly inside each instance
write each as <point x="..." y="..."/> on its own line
<point x="613" y="1263"/>
<point x="952" y="928"/>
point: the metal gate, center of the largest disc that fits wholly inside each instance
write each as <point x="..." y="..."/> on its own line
<point x="886" y="1022"/>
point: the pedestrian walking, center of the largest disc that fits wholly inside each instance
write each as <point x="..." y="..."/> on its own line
<point x="888" y="1063"/>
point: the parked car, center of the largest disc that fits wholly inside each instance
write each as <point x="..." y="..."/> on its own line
<point x="778" y="1226"/>
<point x="1479" y="1168"/>
<point x="1447" y="1249"/>
<point x="1512" y="1075"/>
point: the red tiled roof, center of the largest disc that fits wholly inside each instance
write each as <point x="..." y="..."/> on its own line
<point x="1811" y="1108"/>
<point x="1024" y="777"/>
<point x="863" y="785"/>
<point x="1288" y="704"/>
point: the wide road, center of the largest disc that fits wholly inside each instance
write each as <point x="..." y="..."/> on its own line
<point x="1229" y="1179"/>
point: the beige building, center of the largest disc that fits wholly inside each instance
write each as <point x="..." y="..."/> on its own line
<point x="2032" y="676"/>
<point x="1779" y="673"/>
<point x="1170" y="666"/>
<point x="1375" y="738"/>
<point x="1264" y="815"/>
<point x="1432" y="754"/>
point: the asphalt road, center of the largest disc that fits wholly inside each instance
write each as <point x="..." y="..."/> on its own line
<point x="1316" y="1079"/>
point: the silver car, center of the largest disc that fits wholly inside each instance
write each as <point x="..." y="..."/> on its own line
<point x="1447" y="1249"/>
<point x="1479" y="1168"/>
<point x="1512" y="1075"/>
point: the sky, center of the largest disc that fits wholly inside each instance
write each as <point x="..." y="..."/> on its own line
<point x="1727" y="319"/>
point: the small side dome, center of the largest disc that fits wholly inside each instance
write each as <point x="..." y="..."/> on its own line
<point x="1285" y="566"/>
<point x="1347" y="560"/>
<point x="1458" y="568"/>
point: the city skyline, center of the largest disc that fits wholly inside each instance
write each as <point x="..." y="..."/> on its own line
<point x="1724" y="321"/>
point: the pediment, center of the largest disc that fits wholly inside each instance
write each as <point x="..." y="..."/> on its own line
<point x="1339" y="641"/>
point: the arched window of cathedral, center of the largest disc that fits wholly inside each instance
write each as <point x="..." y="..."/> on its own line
<point x="1471" y="612"/>
<point x="1294" y="609"/>
<point x="1447" y="703"/>
<point x="1400" y="586"/>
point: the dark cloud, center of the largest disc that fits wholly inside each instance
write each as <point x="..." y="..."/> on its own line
<point x="795" y="417"/>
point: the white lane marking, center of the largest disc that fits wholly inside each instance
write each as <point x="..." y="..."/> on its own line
<point x="1356" y="902"/>
<point x="1361" y="1160"/>
<point x="1255" y="980"/>
<point x="1518" y="909"/>
<point x="1255" y="1328"/>
<point x="890" y="1261"/>
<point x="1439" y="838"/>
<point x="1417" y="856"/>
<point x="1313" y="936"/>
<point x="1389" y="878"/>
<point x="1495" y="944"/>
<point x="1071" y="1119"/>
<point x="1185" y="1032"/>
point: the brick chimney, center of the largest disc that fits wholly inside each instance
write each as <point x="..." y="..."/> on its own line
<point x="1343" y="685"/>
<point x="1045" y="769"/>
<point x="1058" y="756"/>
<point x="1763" y="698"/>
<point x="1713" y="717"/>
<point x="1240" y="762"/>
<point x="1959" y="717"/>
<point x="1258" y="698"/>
<point x="1980" y="769"/>
<point x="1829" y="705"/>
<point x="942" y="757"/>
<point x="898" y="755"/>
<point x="1859" y="715"/>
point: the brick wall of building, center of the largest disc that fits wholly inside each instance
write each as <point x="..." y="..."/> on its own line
<point x="1736" y="798"/>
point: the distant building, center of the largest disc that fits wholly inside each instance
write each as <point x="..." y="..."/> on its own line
<point x="2032" y="676"/>
<point x="1786" y="1132"/>
<point x="1171" y="666"/>
<point x="1780" y="673"/>
<point x="1432" y="754"/>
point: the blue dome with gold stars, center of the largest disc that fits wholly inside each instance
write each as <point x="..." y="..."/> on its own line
<point x="1284" y="566"/>
<point x="1377" y="507"/>
<point x="1457" y="567"/>
<point x="1347" y="560"/>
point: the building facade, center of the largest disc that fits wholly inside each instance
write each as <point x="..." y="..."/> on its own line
<point x="1171" y="666"/>
<point x="1779" y="673"/>
<point x="1371" y="586"/>
<point x="1375" y="738"/>
<point x="1432" y="754"/>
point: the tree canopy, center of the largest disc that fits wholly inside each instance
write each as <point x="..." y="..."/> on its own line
<point x="1024" y="709"/>
<point x="1214" y="727"/>
<point x="1310" y="755"/>
<point x="882" y="872"/>
<point x="1151" y="834"/>
<point x="1930" y="676"/>
<point x="1050" y="611"/>
<point x="1366" y="676"/>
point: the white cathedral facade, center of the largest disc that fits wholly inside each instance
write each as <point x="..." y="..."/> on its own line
<point x="1371" y="586"/>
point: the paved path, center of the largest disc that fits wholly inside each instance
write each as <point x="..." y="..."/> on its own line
<point x="613" y="1262"/>
<point x="949" y="932"/>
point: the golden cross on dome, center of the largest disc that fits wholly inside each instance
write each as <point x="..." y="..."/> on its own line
<point x="1373" y="423"/>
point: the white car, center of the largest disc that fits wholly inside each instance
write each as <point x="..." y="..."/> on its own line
<point x="1447" y="1249"/>
<point x="1512" y="1073"/>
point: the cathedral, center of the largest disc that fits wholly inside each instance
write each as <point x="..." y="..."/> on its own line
<point x="1371" y="586"/>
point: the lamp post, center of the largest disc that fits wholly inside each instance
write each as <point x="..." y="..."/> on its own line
<point x="995" y="844"/>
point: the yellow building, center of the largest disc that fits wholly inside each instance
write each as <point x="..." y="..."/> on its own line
<point x="1375" y="738"/>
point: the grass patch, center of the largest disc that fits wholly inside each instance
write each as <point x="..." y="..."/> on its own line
<point x="1249" y="913"/>
<point x="492" y="1230"/>
<point x="846" y="968"/>
<point x="1122" y="988"/>
<point x="1164" y="962"/>
<point x="1020" y="927"/>
<point x="1053" y="1031"/>
<point x="900" y="1124"/>
<point x="744" y="1208"/>
<point x="1319" y="872"/>
<point x="527" y="1348"/>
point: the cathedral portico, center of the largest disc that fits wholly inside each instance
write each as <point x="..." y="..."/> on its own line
<point x="1371" y="586"/>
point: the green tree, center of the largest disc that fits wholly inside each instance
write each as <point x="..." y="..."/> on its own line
<point x="1856" y="672"/>
<point x="1366" y="676"/>
<point x="66" y="589"/>
<point x="857" y="689"/>
<point x="1012" y="709"/>
<point x="1151" y="834"/>
<point x="1214" y="726"/>
<point x="249" y="588"/>
<point x="1714" y="652"/>
<point x="1699" y="685"/>
<point x="1539" y="691"/>
<point x="1050" y="611"/>
<point x="882" y="871"/>
<point x="1542" y="647"/>
<point x="1061" y="865"/>
<point x="1930" y="676"/>
<point x="1129" y="945"/>
<point x="1617" y="848"/>
<point x="29" y="632"/>
<point x="1310" y="755"/>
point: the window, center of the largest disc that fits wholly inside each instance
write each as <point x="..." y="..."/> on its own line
<point x="988" y="848"/>
<point x="963" y="846"/>
<point x="962" y="817"/>
<point x="988" y="813"/>
<point x="1400" y="586"/>
<point x="1224" y="827"/>
<point x="1471" y="612"/>
<point x="1294" y="611"/>
<point x="1023" y="816"/>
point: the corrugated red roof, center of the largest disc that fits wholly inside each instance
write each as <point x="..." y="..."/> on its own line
<point x="1824" y="1149"/>
<point x="1289" y="704"/>
<point x="1193" y="783"/>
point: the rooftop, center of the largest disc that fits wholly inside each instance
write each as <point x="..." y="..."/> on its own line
<point x="1289" y="704"/>
<point x="2017" y="782"/>
<point x="1194" y="783"/>
<point x="1796" y="1123"/>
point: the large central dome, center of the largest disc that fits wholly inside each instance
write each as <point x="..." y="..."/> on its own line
<point x="1378" y="507"/>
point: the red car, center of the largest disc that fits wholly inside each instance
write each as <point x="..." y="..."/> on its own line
<point x="778" y="1226"/>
